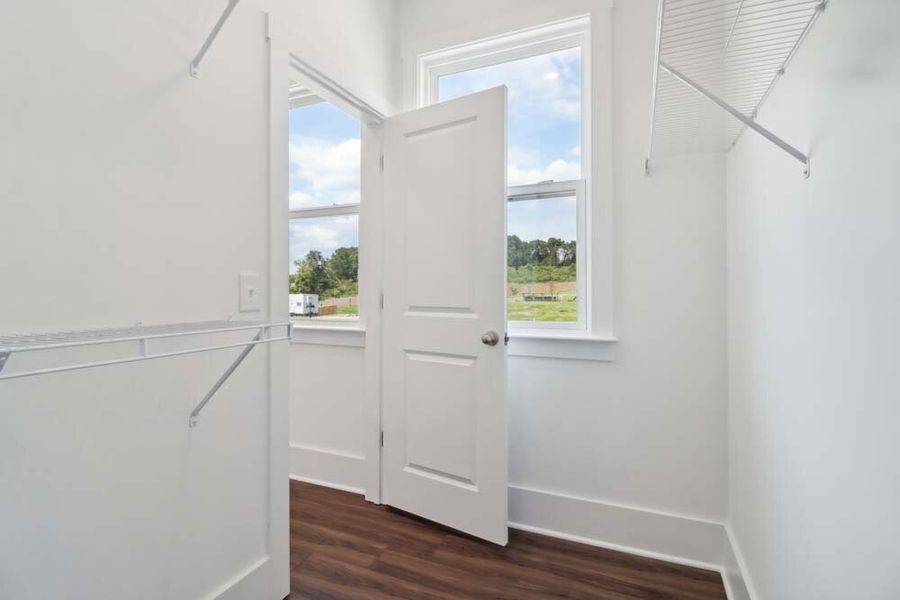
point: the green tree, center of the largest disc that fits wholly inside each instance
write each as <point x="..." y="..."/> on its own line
<point x="516" y="252"/>
<point x="312" y="276"/>
<point x="552" y="252"/>
<point x="344" y="264"/>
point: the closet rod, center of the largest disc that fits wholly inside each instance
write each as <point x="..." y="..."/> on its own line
<point x="12" y="345"/>
<point x="8" y="350"/>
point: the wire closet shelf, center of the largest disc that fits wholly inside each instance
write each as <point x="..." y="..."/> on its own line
<point x="716" y="58"/>
<point x="134" y="344"/>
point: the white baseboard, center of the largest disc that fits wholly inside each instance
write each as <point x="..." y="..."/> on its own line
<point x="329" y="468"/>
<point x="734" y="570"/>
<point x="254" y="582"/>
<point x="674" y="538"/>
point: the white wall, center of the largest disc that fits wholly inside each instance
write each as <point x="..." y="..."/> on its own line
<point x="814" y="320"/>
<point x="353" y="42"/>
<point x="132" y="192"/>
<point x="327" y="396"/>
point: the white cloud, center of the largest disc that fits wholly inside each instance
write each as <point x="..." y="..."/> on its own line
<point x="524" y="156"/>
<point x="325" y="234"/>
<point x="327" y="172"/>
<point x="547" y="84"/>
<point x="558" y="170"/>
<point x="301" y="199"/>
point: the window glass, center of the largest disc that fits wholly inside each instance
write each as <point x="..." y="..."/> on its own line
<point x="325" y="157"/>
<point x="541" y="255"/>
<point x="325" y="161"/>
<point x="324" y="271"/>
<point x="544" y="145"/>
<point x="544" y="112"/>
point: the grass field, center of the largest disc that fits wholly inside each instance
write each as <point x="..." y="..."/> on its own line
<point x="564" y="310"/>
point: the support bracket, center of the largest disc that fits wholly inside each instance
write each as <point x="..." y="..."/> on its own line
<point x="4" y="356"/>
<point x="195" y="414"/>
<point x="748" y="121"/>
<point x="195" y="64"/>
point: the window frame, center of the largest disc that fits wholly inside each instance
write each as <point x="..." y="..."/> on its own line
<point x="544" y="39"/>
<point x="300" y="97"/>
<point x="549" y="191"/>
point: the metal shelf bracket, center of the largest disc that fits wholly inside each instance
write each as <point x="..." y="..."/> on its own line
<point x="748" y="121"/>
<point x="195" y="64"/>
<point x="195" y="414"/>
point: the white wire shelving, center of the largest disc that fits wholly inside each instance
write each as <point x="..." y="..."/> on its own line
<point x="721" y="54"/>
<point x="133" y="344"/>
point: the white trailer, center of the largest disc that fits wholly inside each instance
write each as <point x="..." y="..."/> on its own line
<point x="304" y="305"/>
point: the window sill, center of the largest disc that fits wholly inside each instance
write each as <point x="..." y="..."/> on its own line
<point x="535" y="344"/>
<point x="579" y="346"/>
<point x="352" y="335"/>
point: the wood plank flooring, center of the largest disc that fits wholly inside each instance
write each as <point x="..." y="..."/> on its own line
<point x="343" y="547"/>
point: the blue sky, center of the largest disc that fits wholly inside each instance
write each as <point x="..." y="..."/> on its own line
<point x="324" y="170"/>
<point x="324" y="156"/>
<point x="544" y="144"/>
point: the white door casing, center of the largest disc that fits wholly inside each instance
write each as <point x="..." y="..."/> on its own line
<point x="444" y="390"/>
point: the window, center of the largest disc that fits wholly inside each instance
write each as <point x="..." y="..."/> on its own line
<point x="325" y="159"/>
<point x="545" y="263"/>
<point x="544" y="71"/>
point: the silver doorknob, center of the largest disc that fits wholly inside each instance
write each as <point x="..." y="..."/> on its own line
<point x="490" y="338"/>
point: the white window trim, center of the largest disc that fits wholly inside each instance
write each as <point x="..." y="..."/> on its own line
<point x="594" y="35"/>
<point x="335" y="210"/>
<point x="530" y="42"/>
<point x="299" y="96"/>
<point x="557" y="189"/>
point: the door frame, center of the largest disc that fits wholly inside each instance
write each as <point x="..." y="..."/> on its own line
<point x="287" y="60"/>
<point x="370" y="244"/>
<point x="277" y="356"/>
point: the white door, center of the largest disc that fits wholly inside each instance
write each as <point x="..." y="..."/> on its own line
<point x="444" y="397"/>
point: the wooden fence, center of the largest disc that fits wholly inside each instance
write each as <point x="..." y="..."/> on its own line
<point x="348" y="301"/>
<point x="330" y="306"/>
<point x="543" y="288"/>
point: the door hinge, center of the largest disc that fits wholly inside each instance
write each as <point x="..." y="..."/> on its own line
<point x="381" y="162"/>
<point x="382" y="439"/>
<point x="381" y="301"/>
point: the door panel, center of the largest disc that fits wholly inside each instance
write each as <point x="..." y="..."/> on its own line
<point x="440" y="413"/>
<point x="444" y="401"/>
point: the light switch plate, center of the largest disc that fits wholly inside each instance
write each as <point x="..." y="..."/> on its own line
<point x="250" y="292"/>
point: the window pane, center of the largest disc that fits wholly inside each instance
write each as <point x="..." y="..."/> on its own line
<point x="541" y="275"/>
<point x="324" y="278"/>
<point x="325" y="157"/>
<point x="544" y="112"/>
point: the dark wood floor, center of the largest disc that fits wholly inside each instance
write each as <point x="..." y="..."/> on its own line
<point x="344" y="547"/>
